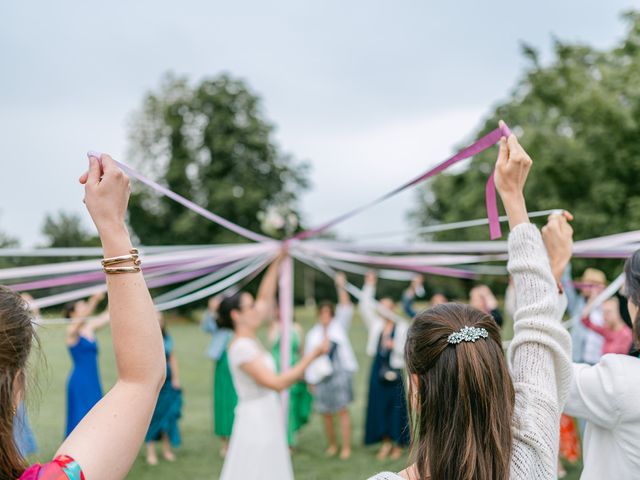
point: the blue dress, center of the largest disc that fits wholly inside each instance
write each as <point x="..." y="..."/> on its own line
<point x="168" y="408"/>
<point x="83" y="387"/>
<point x="22" y="432"/>
<point x="387" y="407"/>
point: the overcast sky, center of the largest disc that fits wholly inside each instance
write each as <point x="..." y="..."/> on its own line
<point x="370" y="93"/>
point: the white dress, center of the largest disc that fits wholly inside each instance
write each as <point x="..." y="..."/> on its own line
<point x="258" y="447"/>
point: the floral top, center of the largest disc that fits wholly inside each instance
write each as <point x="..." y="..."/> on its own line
<point x="61" y="468"/>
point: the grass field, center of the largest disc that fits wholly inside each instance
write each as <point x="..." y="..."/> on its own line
<point x="198" y="457"/>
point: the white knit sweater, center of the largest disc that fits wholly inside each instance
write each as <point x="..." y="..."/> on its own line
<point x="539" y="359"/>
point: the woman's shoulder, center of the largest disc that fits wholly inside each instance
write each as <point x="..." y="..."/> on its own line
<point x="243" y="349"/>
<point x="61" y="468"/>
<point x="609" y="378"/>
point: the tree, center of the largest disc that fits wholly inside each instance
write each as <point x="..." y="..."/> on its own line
<point x="7" y="241"/>
<point x="67" y="230"/>
<point x="579" y="119"/>
<point x="212" y="144"/>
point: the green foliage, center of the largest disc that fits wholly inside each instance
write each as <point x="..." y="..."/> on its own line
<point x="211" y="143"/>
<point x="7" y="241"/>
<point x="579" y="119"/>
<point x="67" y="230"/>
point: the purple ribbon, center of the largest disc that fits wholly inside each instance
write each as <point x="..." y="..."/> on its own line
<point x="482" y="144"/>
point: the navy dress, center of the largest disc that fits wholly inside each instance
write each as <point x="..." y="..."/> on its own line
<point x="83" y="387"/>
<point x="387" y="407"/>
<point x="168" y="408"/>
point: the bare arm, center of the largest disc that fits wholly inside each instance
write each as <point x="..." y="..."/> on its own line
<point x="106" y="441"/>
<point x="343" y="295"/>
<point x="266" y="297"/>
<point x="93" y="302"/>
<point x="367" y="301"/>
<point x="99" y="322"/>
<point x="586" y="321"/>
<point x="266" y="377"/>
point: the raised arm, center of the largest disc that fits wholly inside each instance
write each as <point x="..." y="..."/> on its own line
<point x="107" y="440"/>
<point x="586" y="321"/>
<point x="367" y="303"/>
<point x="99" y="322"/>
<point x="266" y="297"/>
<point x="209" y="324"/>
<point x="93" y="302"/>
<point x="341" y="290"/>
<point x="409" y="295"/>
<point x="539" y="354"/>
<point x="344" y="309"/>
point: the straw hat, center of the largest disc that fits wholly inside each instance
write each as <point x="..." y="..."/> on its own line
<point x="594" y="276"/>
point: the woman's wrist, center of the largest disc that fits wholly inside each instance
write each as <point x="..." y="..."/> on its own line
<point x="115" y="240"/>
<point x="516" y="208"/>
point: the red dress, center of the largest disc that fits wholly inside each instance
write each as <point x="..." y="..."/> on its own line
<point x="61" y="468"/>
<point x="569" y="440"/>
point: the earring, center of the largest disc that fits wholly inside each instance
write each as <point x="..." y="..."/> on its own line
<point x="14" y="410"/>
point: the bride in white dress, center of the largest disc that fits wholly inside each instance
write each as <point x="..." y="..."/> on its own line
<point x="258" y="447"/>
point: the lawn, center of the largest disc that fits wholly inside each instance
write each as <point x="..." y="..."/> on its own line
<point x="198" y="456"/>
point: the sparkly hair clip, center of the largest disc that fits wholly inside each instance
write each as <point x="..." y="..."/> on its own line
<point x="467" y="334"/>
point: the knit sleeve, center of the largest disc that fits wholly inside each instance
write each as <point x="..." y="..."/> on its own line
<point x="539" y="358"/>
<point x="386" y="476"/>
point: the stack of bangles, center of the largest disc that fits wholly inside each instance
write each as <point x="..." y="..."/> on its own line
<point x="109" y="268"/>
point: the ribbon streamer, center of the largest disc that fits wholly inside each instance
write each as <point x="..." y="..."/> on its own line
<point x="223" y="222"/>
<point x="482" y="144"/>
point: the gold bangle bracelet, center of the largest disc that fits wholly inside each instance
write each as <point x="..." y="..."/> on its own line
<point x="118" y="270"/>
<point x="132" y="257"/>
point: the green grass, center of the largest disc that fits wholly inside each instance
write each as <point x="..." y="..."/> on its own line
<point x="198" y="456"/>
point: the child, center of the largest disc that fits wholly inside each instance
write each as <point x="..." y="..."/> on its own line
<point x="616" y="334"/>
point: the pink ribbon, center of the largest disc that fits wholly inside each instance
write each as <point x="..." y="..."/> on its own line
<point x="482" y="144"/>
<point x="491" y="199"/>
<point x="285" y="287"/>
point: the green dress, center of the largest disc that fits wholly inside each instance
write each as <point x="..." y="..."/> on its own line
<point x="300" y="400"/>
<point x="225" y="398"/>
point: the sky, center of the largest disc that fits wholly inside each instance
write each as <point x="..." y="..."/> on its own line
<point x="370" y="93"/>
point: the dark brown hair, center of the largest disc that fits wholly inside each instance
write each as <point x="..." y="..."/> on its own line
<point x="327" y="304"/>
<point x="16" y="337"/>
<point x="227" y="305"/>
<point x="632" y="290"/>
<point x="462" y="405"/>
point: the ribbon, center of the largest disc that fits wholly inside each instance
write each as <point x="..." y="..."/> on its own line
<point x="480" y="145"/>
<point x="490" y="196"/>
<point x="223" y="222"/>
<point x="285" y="287"/>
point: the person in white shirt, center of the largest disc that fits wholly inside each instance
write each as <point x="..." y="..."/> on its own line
<point x="331" y="375"/>
<point x="607" y="396"/>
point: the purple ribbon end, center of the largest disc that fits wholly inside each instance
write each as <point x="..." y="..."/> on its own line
<point x="495" y="231"/>
<point x="505" y="130"/>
